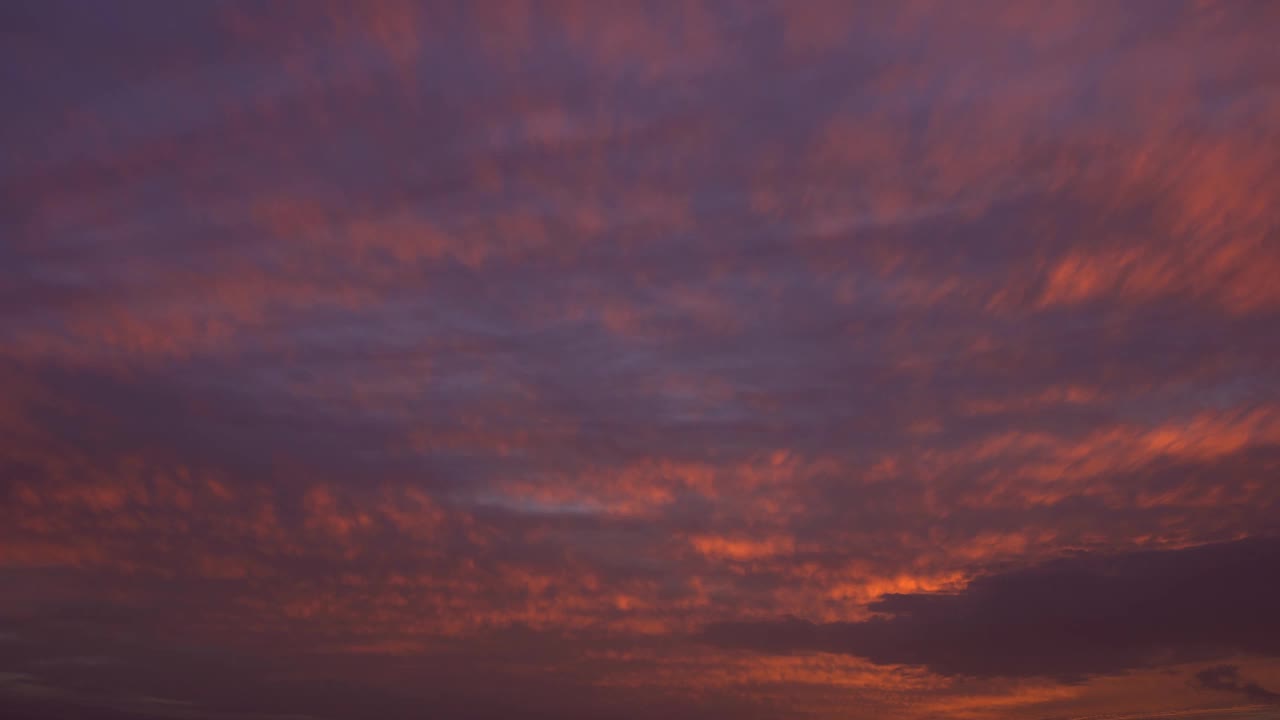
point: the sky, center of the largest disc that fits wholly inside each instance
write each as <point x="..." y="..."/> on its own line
<point x="634" y="360"/>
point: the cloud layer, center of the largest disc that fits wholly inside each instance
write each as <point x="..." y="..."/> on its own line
<point x="377" y="355"/>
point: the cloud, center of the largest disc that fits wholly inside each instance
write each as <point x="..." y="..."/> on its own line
<point x="1070" y="618"/>
<point x="522" y="340"/>
<point x="1227" y="679"/>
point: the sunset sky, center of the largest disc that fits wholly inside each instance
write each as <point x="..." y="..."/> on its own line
<point x="620" y="360"/>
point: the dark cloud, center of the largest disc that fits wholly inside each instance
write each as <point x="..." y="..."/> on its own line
<point x="1227" y="679"/>
<point x="1070" y="618"/>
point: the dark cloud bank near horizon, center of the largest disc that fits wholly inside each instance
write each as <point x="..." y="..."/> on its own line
<point x="1078" y="616"/>
<point x="1226" y="678"/>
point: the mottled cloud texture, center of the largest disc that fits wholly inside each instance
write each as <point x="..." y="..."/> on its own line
<point x="639" y="359"/>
